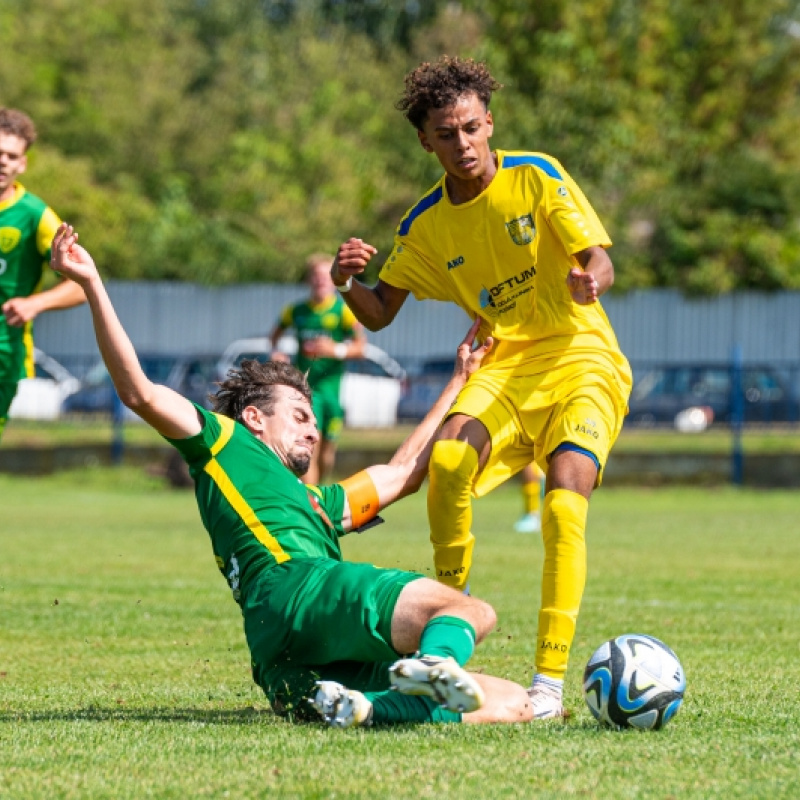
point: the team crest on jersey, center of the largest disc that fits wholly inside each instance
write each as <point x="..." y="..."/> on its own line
<point x="521" y="230"/>
<point x="9" y="239"/>
<point x="330" y="321"/>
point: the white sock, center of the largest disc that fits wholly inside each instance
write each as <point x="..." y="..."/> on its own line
<point x="553" y="684"/>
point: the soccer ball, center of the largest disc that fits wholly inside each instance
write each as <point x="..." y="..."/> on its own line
<point x="634" y="681"/>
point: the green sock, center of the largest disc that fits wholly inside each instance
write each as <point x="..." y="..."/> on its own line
<point x="392" y="708"/>
<point x="449" y="637"/>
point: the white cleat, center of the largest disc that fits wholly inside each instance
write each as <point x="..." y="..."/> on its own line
<point x="341" y="707"/>
<point x="530" y="523"/>
<point x="439" y="678"/>
<point x="547" y="703"/>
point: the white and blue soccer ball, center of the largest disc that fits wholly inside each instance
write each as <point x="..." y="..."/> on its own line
<point x="634" y="681"/>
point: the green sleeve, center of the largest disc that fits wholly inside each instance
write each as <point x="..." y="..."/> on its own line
<point x="332" y="500"/>
<point x="196" y="450"/>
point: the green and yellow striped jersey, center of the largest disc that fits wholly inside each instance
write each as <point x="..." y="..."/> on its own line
<point x="256" y="511"/>
<point x="27" y="227"/>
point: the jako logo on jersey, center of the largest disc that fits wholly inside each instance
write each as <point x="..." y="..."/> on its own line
<point x="456" y="262"/>
<point x="9" y="239"/>
<point x="521" y="230"/>
<point x="562" y="191"/>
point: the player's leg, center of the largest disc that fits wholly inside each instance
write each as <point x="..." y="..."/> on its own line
<point x="319" y="406"/>
<point x="442" y="626"/>
<point x="584" y="428"/>
<point x="334" y="422"/>
<point x="532" y="486"/>
<point x="343" y="707"/>
<point x="356" y="621"/>
<point x="461" y="445"/>
<point x="7" y="392"/>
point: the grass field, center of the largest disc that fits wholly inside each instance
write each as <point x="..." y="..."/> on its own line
<point x="123" y="670"/>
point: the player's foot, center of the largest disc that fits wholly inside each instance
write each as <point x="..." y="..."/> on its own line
<point x="439" y="678"/>
<point x="530" y="523"/>
<point x="341" y="707"/>
<point x="547" y="703"/>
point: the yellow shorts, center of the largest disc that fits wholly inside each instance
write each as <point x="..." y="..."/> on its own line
<point x="529" y="415"/>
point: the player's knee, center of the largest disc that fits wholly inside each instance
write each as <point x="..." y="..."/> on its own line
<point x="453" y="464"/>
<point x="484" y="617"/>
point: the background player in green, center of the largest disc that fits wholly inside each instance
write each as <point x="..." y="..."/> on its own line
<point x="322" y="632"/>
<point x="327" y="334"/>
<point x="27" y="226"/>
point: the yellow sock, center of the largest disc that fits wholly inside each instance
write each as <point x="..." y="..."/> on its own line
<point x="452" y="470"/>
<point x="531" y="495"/>
<point x="563" y="578"/>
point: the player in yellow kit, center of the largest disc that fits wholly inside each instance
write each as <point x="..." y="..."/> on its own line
<point x="532" y="485"/>
<point x="510" y="238"/>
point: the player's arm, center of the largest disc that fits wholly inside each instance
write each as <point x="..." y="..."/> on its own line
<point x="20" y="310"/>
<point x="325" y="347"/>
<point x="374" y="308"/>
<point x="170" y="413"/>
<point x="274" y="338"/>
<point x="377" y="487"/>
<point x="597" y="276"/>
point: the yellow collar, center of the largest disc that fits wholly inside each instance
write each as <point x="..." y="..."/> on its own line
<point x="19" y="190"/>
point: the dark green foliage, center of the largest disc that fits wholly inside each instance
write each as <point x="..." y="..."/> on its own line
<point x="223" y="140"/>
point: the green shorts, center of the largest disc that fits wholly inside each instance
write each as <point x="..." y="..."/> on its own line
<point x="317" y="619"/>
<point x="328" y="409"/>
<point x="7" y="392"/>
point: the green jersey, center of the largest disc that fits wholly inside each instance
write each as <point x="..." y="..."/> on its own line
<point x="27" y="227"/>
<point x="256" y="511"/>
<point x="331" y="318"/>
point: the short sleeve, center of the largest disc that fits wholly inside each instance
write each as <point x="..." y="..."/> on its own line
<point x="287" y="317"/>
<point x="349" y="321"/>
<point x="199" y="449"/>
<point x="406" y="268"/>
<point x="48" y="225"/>
<point x="572" y="217"/>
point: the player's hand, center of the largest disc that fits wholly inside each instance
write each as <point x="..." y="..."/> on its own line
<point x="276" y="355"/>
<point x="319" y="347"/>
<point x="468" y="360"/>
<point x="21" y="310"/>
<point x="68" y="258"/>
<point x="351" y="259"/>
<point x="583" y="286"/>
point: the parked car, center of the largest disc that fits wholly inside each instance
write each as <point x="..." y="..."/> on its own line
<point x="424" y="387"/>
<point x="371" y="386"/>
<point x="192" y="376"/>
<point x="662" y="392"/>
<point x="43" y="396"/>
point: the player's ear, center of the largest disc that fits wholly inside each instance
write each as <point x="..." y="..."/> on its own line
<point x="23" y="165"/>
<point x="252" y="419"/>
<point x="489" y="123"/>
<point x="423" y="140"/>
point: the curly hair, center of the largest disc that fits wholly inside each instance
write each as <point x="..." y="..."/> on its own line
<point x="253" y="384"/>
<point x="19" y="124"/>
<point x="441" y="84"/>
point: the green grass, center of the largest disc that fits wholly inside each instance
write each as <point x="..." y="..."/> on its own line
<point x="123" y="670"/>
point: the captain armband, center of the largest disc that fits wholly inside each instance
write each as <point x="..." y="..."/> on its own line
<point x="362" y="495"/>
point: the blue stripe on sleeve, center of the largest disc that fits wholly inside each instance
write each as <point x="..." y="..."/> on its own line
<point x="427" y="202"/>
<point x="537" y="161"/>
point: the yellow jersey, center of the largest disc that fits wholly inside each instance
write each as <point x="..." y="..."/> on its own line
<point x="505" y="256"/>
